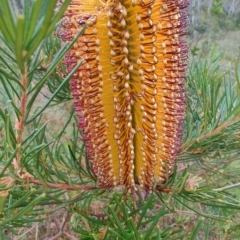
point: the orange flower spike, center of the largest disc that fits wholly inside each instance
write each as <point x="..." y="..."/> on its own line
<point x="129" y="93"/>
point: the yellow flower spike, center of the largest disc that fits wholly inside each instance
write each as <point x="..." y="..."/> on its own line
<point x="129" y="93"/>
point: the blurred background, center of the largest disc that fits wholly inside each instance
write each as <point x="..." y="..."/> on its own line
<point x="215" y="23"/>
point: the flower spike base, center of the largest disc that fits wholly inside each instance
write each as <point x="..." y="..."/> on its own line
<point x="129" y="92"/>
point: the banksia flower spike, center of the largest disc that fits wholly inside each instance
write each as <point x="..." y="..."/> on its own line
<point x="129" y="92"/>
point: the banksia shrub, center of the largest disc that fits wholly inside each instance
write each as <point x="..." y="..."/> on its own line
<point x="129" y="93"/>
<point x="126" y="63"/>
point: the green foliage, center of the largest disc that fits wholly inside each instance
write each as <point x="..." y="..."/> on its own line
<point x="40" y="175"/>
<point x="217" y="7"/>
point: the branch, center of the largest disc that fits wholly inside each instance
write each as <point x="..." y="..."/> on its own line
<point x="219" y="129"/>
<point x="211" y="134"/>
<point x="67" y="187"/>
<point x="19" y="125"/>
<point x="62" y="186"/>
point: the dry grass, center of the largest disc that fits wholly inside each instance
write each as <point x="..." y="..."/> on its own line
<point x="230" y="44"/>
<point x="227" y="42"/>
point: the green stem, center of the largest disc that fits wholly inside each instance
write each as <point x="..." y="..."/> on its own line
<point x="226" y="187"/>
<point x="20" y="123"/>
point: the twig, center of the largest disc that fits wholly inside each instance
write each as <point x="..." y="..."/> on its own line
<point x="212" y="133"/>
<point x="65" y="217"/>
<point x="86" y="224"/>
<point x="25" y="233"/>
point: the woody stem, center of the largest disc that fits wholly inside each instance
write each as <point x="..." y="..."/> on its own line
<point x="20" y="121"/>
